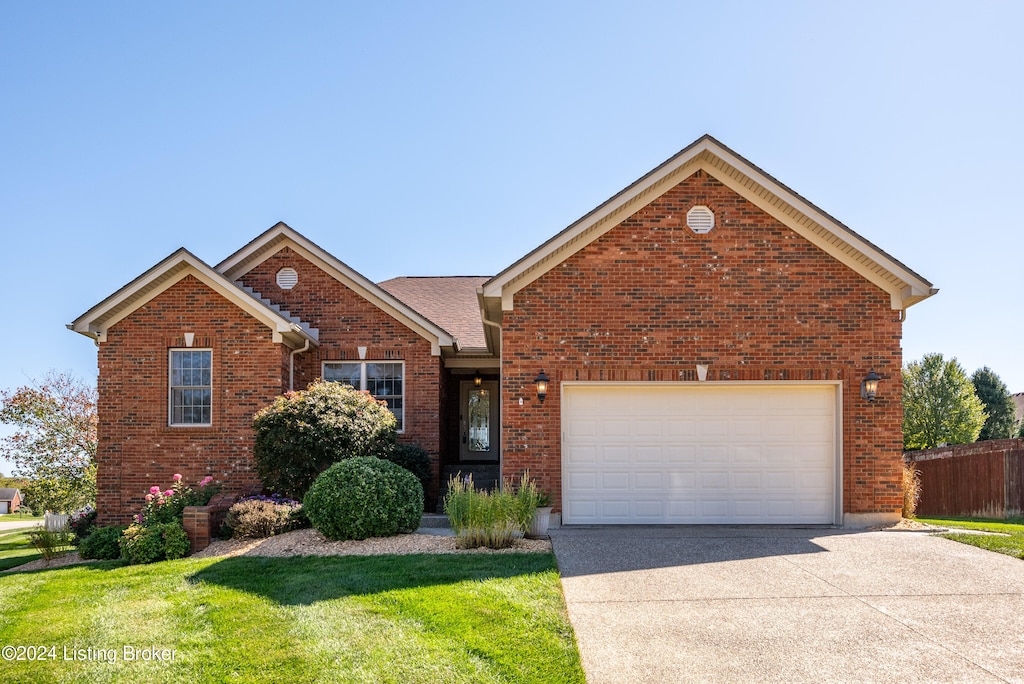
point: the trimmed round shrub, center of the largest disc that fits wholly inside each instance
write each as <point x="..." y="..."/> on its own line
<point x="101" y="544"/>
<point x="262" y="517"/>
<point x="302" y="433"/>
<point x="414" y="459"/>
<point x="148" y="544"/>
<point x="364" y="497"/>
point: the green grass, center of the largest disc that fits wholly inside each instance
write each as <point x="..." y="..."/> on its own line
<point x="16" y="549"/>
<point x="1011" y="545"/>
<point x="425" y="618"/>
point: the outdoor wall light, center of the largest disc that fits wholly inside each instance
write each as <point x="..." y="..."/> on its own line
<point x="869" y="385"/>
<point x="477" y="380"/>
<point x="542" y="386"/>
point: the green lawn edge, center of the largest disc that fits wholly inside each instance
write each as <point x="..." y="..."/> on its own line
<point x="421" y="618"/>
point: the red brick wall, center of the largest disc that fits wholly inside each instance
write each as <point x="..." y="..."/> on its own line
<point x="751" y="299"/>
<point x="347" y="321"/>
<point x="137" y="449"/>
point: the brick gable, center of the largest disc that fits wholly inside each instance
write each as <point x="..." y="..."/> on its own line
<point x="137" y="448"/>
<point x="347" y="321"/>
<point x="752" y="299"/>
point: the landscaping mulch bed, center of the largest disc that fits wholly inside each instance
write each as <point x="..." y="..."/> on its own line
<point x="309" y="542"/>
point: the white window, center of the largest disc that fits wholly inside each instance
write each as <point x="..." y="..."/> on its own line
<point x="191" y="387"/>
<point x="382" y="379"/>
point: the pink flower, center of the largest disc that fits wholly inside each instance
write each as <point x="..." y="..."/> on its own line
<point x="206" y="480"/>
<point x="149" y="497"/>
<point x="177" y="477"/>
<point x="159" y="502"/>
<point x="169" y="492"/>
<point x="154" y="490"/>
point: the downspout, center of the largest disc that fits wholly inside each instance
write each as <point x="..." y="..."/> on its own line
<point x="291" y="369"/>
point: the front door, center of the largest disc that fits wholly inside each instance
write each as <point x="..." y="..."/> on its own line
<point x="479" y="429"/>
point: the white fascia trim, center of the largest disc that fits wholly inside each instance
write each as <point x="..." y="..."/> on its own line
<point x="495" y="286"/>
<point x="351" y="278"/>
<point x="912" y="289"/>
<point x="95" y="322"/>
<point x="914" y="286"/>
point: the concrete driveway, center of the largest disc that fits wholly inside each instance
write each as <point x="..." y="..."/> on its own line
<point x="723" y="604"/>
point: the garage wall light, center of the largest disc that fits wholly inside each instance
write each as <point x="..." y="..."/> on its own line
<point x="542" y="385"/>
<point x="869" y="385"/>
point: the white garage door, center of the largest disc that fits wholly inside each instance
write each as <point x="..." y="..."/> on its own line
<point x="698" y="454"/>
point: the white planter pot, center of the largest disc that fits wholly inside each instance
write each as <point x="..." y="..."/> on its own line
<point x="541" y="520"/>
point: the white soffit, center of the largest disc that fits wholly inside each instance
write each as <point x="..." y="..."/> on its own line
<point x="706" y="154"/>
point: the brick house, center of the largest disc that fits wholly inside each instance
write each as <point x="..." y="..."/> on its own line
<point x="705" y="333"/>
<point x="10" y="500"/>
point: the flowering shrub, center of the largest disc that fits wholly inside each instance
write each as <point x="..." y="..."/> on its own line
<point x="82" y="523"/>
<point x="163" y="506"/>
<point x="155" y="542"/>
<point x="157" y="532"/>
<point x="263" y="516"/>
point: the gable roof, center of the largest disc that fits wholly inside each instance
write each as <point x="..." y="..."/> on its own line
<point x="8" y="494"/>
<point x="96" y="321"/>
<point x="904" y="286"/>
<point x="282" y="235"/>
<point x="449" y="301"/>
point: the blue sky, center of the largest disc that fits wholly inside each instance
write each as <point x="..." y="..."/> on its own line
<point x="452" y="138"/>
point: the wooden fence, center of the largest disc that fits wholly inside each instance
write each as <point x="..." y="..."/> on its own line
<point x="984" y="479"/>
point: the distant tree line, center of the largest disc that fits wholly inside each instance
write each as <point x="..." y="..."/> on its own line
<point x="942" y="405"/>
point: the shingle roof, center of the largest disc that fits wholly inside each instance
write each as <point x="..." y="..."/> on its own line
<point x="7" y="494"/>
<point x="448" y="301"/>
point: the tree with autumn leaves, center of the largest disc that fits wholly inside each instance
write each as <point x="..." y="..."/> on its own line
<point x="54" y="440"/>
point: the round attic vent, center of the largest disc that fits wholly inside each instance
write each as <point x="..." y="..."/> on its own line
<point x="700" y="219"/>
<point x="286" y="278"/>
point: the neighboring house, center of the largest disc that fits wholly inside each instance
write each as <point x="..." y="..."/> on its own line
<point x="10" y="500"/>
<point x="1018" y="401"/>
<point x="705" y="333"/>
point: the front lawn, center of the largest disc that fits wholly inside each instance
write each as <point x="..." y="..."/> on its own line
<point x="423" y="618"/>
<point x="1011" y="545"/>
<point x="16" y="549"/>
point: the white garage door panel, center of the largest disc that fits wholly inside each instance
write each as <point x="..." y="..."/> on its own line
<point x="699" y="453"/>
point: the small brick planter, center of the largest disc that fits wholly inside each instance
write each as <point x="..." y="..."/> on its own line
<point x="202" y="523"/>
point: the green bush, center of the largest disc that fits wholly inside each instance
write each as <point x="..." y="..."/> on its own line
<point x="262" y="517"/>
<point x="102" y="544"/>
<point x="148" y="544"/>
<point x="414" y="459"/>
<point x="302" y="433"/>
<point x="364" y="497"/>
<point x="492" y="519"/>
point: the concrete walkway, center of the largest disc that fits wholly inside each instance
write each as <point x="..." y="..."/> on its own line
<point x="724" y="604"/>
